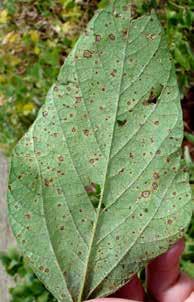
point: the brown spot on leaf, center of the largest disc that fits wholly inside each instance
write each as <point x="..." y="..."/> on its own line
<point x="145" y="194"/>
<point x="134" y="13"/>
<point x="93" y="160"/>
<point x="91" y="188"/>
<point x="87" y="54"/>
<point x="121" y="171"/>
<point x="61" y="158"/>
<point x="156" y="175"/>
<point x="113" y="73"/>
<point x="98" y="38"/>
<point x="150" y="37"/>
<point x="125" y="32"/>
<point x="55" y="134"/>
<point x="111" y="37"/>
<point x="45" y="113"/>
<point x="48" y="182"/>
<point x="86" y="132"/>
<point x="28" y="216"/>
<point x="158" y="152"/>
<point x="154" y="186"/>
<point x="169" y="221"/>
<point x="78" y="99"/>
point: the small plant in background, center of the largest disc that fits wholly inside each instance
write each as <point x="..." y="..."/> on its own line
<point x="36" y="38"/>
<point x="177" y="17"/>
<point x="27" y="287"/>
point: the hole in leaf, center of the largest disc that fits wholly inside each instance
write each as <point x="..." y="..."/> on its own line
<point x="152" y="98"/>
<point x="134" y="12"/>
<point x="121" y="123"/>
<point x="94" y="190"/>
<point x="154" y="95"/>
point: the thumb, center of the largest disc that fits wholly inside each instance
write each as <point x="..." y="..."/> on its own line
<point x="165" y="282"/>
<point x="132" y="290"/>
<point x="111" y="300"/>
<point x="163" y="271"/>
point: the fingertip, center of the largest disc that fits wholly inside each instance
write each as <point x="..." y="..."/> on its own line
<point x="177" y="249"/>
<point x="180" y="291"/>
<point x="132" y="290"/>
<point x="109" y="300"/>
<point x="169" y="258"/>
<point x="164" y="271"/>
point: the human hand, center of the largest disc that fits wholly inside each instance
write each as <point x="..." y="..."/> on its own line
<point x="165" y="281"/>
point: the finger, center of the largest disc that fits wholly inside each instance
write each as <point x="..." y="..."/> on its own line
<point x="191" y="298"/>
<point x="164" y="271"/>
<point x="111" y="300"/>
<point x="181" y="291"/>
<point x="132" y="290"/>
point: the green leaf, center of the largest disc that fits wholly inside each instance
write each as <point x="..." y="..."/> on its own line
<point x="188" y="268"/>
<point x="181" y="59"/>
<point x="189" y="137"/>
<point x="111" y="126"/>
<point x="44" y="297"/>
<point x="103" y="3"/>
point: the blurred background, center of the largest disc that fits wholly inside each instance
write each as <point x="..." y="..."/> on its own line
<point x="36" y="37"/>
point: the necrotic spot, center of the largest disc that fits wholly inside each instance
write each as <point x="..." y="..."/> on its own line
<point x="121" y="123"/>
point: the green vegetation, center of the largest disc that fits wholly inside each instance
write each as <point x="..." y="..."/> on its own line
<point x="177" y="17"/>
<point x="36" y="37"/>
<point x="28" y="288"/>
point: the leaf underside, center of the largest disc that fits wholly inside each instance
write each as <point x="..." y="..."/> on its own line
<point x="96" y="188"/>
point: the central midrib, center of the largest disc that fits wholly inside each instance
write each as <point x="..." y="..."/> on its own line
<point x="105" y="176"/>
